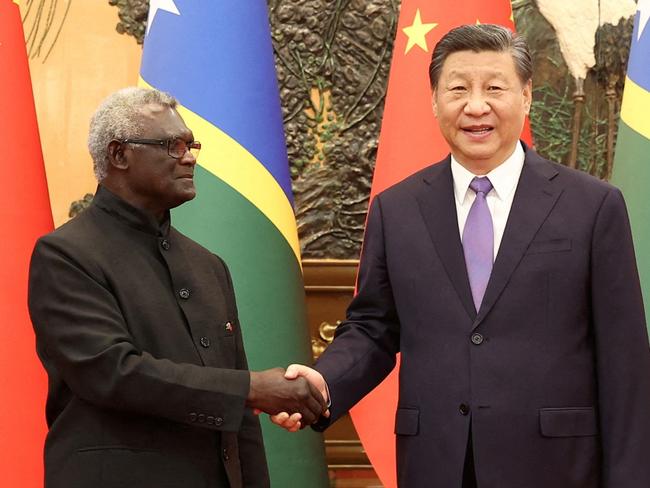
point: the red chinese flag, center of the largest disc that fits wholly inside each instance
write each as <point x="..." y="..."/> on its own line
<point x="24" y="215"/>
<point x="410" y="140"/>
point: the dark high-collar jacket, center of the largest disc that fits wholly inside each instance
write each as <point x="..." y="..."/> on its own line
<point x="137" y="328"/>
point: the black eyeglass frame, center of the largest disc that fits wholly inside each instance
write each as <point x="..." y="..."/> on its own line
<point x="168" y="142"/>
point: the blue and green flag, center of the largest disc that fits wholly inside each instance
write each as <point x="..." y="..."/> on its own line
<point x="632" y="161"/>
<point x="216" y="58"/>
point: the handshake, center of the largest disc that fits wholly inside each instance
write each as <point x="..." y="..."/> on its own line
<point x="293" y="398"/>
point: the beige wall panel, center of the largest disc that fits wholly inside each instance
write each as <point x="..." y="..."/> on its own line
<point x="89" y="61"/>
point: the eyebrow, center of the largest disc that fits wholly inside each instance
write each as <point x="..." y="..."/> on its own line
<point x="181" y="136"/>
<point x="464" y="74"/>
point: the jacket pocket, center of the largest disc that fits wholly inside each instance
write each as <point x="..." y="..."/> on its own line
<point x="568" y="422"/>
<point x="407" y="421"/>
<point x="554" y="245"/>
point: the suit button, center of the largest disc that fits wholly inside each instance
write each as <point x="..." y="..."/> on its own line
<point x="192" y="417"/>
<point x="210" y="420"/>
<point x="205" y="342"/>
<point x="201" y="417"/>
<point x="218" y="421"/>
<point x="165" y="244"/>
<point x="477" y="339"/>
<point x="225" y="455"/>
<point x="184" y="293"/>
<point x="464" y="409"/>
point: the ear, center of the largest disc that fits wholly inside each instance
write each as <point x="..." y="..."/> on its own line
<point x="116" y="155"/>
<point x="528" y="96"/>
<point x="434" y="103"/>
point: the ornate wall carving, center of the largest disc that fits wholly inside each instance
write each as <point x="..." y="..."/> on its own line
<point x="43" y="21"/>
<point x="333" y="60"/>
<point x="133" y="17"/>
<point x="557" y="98"/>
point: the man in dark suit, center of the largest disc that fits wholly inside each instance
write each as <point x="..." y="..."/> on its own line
<point x="137" y="326"/>
<point x="508" y="283"/>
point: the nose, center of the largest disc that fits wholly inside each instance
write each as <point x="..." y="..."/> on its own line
<point x="476" y="105"/>
<point x="188" y="158"/>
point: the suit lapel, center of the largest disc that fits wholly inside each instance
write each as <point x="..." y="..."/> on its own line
<point x="534" y="199"/>
<point x="436" y="201"/>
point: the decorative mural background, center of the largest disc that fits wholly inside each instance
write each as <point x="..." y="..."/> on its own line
<point x="580" y="51"/>
<point x="333" y="59"/>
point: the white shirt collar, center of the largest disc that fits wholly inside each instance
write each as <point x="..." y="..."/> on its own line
<point x="504" y="177"/>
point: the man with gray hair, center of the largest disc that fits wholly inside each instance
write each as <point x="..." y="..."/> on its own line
<point x="137" y="327"/>
<point x="508" y="283"/>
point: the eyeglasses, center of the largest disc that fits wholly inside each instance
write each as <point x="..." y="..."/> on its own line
<point x="176" y="148"/>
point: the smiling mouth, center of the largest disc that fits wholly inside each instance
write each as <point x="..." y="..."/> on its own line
<point x="478" y="130"/>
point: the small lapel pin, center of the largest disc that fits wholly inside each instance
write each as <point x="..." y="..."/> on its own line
<point x="228" y="326"/>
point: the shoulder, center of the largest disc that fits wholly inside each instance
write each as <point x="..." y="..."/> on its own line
<point x="574" y="182"/>
<point x="409" y="186"/>
<point x="73" y="235"/>
<point x="70" y="249"/>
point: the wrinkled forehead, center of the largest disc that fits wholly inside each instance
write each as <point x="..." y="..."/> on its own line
<point x="163" y="121"/>
<point x="499" y="64"/>
<point x="155" y="113"/>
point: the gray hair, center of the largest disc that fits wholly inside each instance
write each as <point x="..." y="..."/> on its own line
<point x="477" y="38"/>
<point x="119" y="117"/>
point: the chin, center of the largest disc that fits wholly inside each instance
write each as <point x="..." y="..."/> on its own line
<point x="183" y="198"/>
<point x="190" y="195"/>
<point x="479" y="156"/>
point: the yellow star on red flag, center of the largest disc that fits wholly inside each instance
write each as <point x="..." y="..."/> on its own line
<point x="416" y="33"/>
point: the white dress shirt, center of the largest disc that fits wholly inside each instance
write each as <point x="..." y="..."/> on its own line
<point x="504" y="179"/>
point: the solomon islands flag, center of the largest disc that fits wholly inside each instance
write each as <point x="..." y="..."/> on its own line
<point x="216" y="58"/>
<point x="632" y="161"/>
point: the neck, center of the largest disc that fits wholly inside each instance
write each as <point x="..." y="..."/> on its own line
<point x="478" y="168"/>
<point x="125" y="193"/>
<point x="481" y="167"/>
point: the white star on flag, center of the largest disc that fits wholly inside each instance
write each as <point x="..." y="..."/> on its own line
<point x="155" y="5"/>
<point x="644" y="10"/>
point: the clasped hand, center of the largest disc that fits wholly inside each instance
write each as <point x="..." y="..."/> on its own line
<point x="294" y="420"/>
<point x="274" y="392"/>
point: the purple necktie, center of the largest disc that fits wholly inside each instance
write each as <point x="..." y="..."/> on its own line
<point x="478" y="240"/>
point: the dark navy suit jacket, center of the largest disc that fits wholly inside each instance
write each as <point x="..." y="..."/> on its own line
<point x="554" y="369"/>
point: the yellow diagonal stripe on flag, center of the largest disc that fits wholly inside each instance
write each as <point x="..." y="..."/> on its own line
<point x="636" y="107"/>
<point x="225" y="158"/>
<point x="229" y="161"/>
